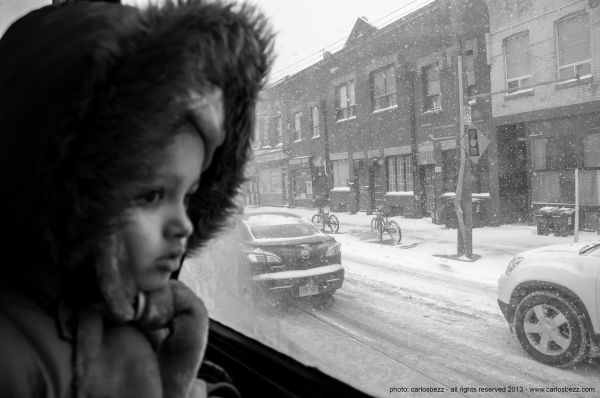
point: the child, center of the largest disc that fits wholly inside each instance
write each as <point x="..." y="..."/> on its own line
<point x="123" y="137"/>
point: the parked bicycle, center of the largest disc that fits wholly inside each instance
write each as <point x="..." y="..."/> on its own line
<point x="323" y="219"/>
<point x="381" y="224"/>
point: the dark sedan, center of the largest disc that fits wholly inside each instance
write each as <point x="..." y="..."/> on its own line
<point x="289" y="257"/>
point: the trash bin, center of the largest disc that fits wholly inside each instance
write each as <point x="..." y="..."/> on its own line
<point x="544" y="221"/>
<point x="564" y="221"/>
<point x="479" y="211"/>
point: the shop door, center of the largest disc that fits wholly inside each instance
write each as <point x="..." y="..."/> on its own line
<point x="366" y="191"/>
<point x="426" y="174"/>
<point x="512" y="174"/>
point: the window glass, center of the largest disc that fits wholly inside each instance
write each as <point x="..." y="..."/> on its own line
<point x="384" y="88"/>
<point x="399" y="169"/>
<point x="297" y="126"/>
<point x="315" y="121"/>
<point x="340" y="173"/>
<point x="539" y="153"/>
<point x="279" y="129"/>
<point x="574" y="46"/>
<point x="370" y="331"/>
<point x="591" y="150"/>
<point x="431" y="80"/>
<point x="302" y="183"/>
<point x="518" y="72"/>
<point x="346" y="101"/>
<point x="470" y="70"/>
<point x="392" y="182"/>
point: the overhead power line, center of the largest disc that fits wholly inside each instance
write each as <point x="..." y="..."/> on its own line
<point x="316" y="55"/>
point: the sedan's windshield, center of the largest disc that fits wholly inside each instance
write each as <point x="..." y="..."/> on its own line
<point x="275" y="226"/>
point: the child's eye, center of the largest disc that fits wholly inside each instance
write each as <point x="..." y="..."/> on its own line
<point x="151" y="197"/>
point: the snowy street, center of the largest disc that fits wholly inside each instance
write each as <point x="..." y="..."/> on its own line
<point x="414" y="319"/>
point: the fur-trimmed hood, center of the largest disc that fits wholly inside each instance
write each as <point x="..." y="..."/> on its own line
<point x="81" y="76"/>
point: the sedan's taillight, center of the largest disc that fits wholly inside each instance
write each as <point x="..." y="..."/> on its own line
<point x="259" y="256"/>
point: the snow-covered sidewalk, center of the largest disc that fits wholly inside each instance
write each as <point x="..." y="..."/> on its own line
<point x="432" y="246"/>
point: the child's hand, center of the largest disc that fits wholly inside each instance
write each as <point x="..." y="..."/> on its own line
<point x="180" y="350"/>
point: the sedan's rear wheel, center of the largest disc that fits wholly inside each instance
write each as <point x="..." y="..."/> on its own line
<point x="551" y="330"/>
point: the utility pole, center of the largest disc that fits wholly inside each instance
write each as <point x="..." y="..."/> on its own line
<point x="328" y="174"/>
<point x="414" y="145"/>
<point x="463" y="197"/>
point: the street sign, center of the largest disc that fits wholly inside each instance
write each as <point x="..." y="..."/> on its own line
<point x="467" y="115"/>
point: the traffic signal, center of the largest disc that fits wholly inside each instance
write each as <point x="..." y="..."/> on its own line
<point x="473" y="143"/>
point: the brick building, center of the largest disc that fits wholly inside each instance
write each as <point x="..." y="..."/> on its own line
<point x="545" y="60"/>
<point x="376" y="123"/>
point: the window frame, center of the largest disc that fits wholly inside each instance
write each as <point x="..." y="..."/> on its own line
<point x="524" y="81"/>
<point x="573" y="65"/>
<point x="315" y="122"/>
<point x="391" y="97"/>
<point x="278" y="130"/>
<point x="543" y="157"/>
<point x="349" y="111"/>
<point x="401" y="183"/>
<point x="297" y="117"/>
<point x="337" y="165"/>
<point x="427" y="97"/>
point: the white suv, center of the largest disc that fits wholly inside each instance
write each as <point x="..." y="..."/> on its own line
<point x="550" y="297"/>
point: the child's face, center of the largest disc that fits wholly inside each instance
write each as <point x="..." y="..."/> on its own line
<point x="156" y="225"/>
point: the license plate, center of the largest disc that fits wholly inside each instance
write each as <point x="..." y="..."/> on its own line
<point x="308" y="290"/>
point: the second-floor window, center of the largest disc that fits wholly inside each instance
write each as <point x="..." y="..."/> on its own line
<point x="399" y="171"/>
<point x="314" y="114"/>
<point x="278" y="130"/>
<point x="346" y="101"/>
<point x="297" y="126"/>
<point x="516" y="55"/>
<point x="383" y="84"/>
<point x="573" y="47"/>
<point x="470" y="71"/>
<point x="431" y="84"/>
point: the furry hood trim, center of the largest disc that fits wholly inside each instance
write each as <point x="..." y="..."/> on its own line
<point x="80" y="76"/>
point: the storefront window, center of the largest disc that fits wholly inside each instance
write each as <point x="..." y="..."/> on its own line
<point x="302" y="184"/>
<point x="269" y="180"/>
<point x="340" y="173"/>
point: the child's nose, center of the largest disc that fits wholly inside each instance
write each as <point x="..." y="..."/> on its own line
<point x="179" y="225"/>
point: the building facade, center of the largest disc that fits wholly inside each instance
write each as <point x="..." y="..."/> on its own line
<point x="376" y="124"/>
<point x="544" y="58"/>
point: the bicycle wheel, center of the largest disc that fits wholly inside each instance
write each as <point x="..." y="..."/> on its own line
<point x="394" y="231"/>
<point x="373" y="224"/>
<point x="334" y="224"/>
<point x="316" y="219"/>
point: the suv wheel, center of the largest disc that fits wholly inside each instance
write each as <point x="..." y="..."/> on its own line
<point x="551" y="330"/>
